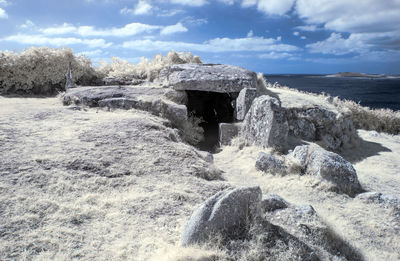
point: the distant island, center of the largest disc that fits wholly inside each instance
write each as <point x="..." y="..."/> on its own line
<point x="355" y="74"/>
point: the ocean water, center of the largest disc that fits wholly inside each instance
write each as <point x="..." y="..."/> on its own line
<point x="371" y="92"/>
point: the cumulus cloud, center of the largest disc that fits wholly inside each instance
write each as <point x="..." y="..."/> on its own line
<point x="296" y="33"/>
<point x="270" y="7"/>
<point x="215" y="45"/>
<point x="3" y="14"/>
<point x="250" y="33"/>
<point x="127" y="30"/>
<point x="373" y="23"/>
<point x="338" y="45"/>
<point x="142" y="8"/>
<point x="56" y="41"/>
<point x="172" y="29"/>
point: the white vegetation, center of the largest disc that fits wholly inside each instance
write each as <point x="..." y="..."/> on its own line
<point x="145" y="69"/>
<point x="42" y="69"/>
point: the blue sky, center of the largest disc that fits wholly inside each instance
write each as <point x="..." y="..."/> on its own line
<point x="270" y="36"/>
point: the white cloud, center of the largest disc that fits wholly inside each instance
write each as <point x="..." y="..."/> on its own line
<point x="372" y="26"/>
<point x="168" y="13"/>
<point x="250" y="33"/>
<point x="352" y="16"/>
<point x="296" y="33"/>
<point x="3" y="14"/>
<point x="308" y="28"/>
<point x="303" y="37"/>
<point x="94" y="53"/>
<point x="127" y="30"/>
<point x="172" y="29"/>
<point x="4" y="3"/>
<point x="28" y="24"/>
<point x="338" y="45"/>
<point x="65" y="28"/>
<point x="255" y="44"/>
<point x="190" y="20"/>
<point x="248" y="3"/>
<point x="275" y="55"/>
<point x="190" y="2"/>
<point x="270" y="7"/>
<point x="56" y="41"/>
<point x="142" y="8"/>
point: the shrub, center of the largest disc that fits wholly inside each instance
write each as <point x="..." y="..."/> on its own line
<point x="145" y="69"/>
<point x="41" y="70"/>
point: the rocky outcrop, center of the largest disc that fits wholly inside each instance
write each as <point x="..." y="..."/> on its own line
<point x="331" y="129"/>
<point x="110" y="81"/>
<point x="313" y="119"/>
<point x="265" y="123"/>
<point x="141" y="98"/>
<point x="207" y="77"/>
<point x="228" y="213"/>
<point x="328" y="166"/>
<point x="270" y="164"/>
<point x="227" y="131"/>
<point x="244" y="101"/>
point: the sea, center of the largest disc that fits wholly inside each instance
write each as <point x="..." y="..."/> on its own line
<point x="371" y="92"/>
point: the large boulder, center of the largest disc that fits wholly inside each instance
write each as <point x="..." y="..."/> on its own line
<point x="328" y="166"/>
<point x="244" y="101"/>
<point x="265" y="124"/>
<point x="318" y="120"/>
<point x="227" y="213"/>
<point x="331" y="129"/>
<point x="207" y="77"/>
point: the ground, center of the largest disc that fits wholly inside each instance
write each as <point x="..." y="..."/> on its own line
<point x="93" y="184"/>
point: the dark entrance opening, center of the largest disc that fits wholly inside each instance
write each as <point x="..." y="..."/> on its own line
<point x="213" y="108"/>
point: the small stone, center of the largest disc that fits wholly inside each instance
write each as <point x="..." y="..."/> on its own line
<point x="270" y="164"/>
<point x="328" y="166"/>
<point x="271" y="202"/>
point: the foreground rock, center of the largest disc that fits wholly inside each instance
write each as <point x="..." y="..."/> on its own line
<point x="208" y="77"/>
<point x="265" y="123"/>
<point x="228" y="213"/>
<point x="328" y="166"/>
<point x="280" y="232"/>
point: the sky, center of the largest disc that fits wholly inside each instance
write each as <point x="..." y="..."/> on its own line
<point x="269" y="36"/>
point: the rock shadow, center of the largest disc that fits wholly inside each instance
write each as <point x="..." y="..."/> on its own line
<point x="364" y="149"/>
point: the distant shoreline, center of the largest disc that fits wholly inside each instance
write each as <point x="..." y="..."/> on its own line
<point x="362" y="75"/>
